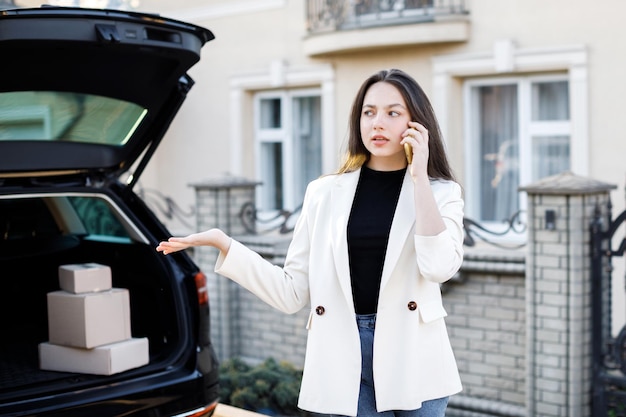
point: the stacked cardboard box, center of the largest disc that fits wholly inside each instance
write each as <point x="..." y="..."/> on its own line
<point x="89" y="325"/>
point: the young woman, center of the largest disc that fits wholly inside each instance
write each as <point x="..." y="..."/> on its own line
<point x="369" y="250"/>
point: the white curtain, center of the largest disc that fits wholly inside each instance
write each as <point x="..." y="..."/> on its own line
<point x="498" y="121"/>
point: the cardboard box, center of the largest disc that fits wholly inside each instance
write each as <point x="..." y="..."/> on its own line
<point x="102" y="360"/>
<point x="82" y="278"/>
<point x="90" y="319"/>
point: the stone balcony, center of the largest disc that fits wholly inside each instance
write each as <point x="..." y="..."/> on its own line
<point x="347" y="26"/>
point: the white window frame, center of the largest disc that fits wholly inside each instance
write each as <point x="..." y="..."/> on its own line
<point x="527" y="130"/>
<point x="280" y="75"/>
<point x="283" y="135"/>
<point x="506" y="59"/>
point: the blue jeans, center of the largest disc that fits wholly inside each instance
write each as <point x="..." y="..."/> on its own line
<point x="367" y="398"/>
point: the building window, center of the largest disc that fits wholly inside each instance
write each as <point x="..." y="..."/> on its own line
<point x="289" y="146"/>
<point x="518" y="131"/>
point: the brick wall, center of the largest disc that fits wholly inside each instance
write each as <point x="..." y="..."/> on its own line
<point x="266" y="332"/>
<point x="486" y="322"/>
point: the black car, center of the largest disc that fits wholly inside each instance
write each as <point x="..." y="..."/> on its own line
<point x="85" y="98"/>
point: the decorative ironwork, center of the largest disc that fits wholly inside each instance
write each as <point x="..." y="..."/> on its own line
<point x="94" y="4"/>
<point x="326" y="14"/>
<point x="331" y="15"/>
<point x="283" y="221"/>
<point x="619" y="350"/>
<point x="474" y="230"/>
<point x="165" y="205"/>
<point x="609" y="353"/>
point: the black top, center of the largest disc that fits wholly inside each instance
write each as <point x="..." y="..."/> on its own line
<point x="370" y="220"/>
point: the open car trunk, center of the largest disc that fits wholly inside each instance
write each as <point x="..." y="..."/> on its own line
<point x="42" y="232"/>
<point x="88" y="96"/>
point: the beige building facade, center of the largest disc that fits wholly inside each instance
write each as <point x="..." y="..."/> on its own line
<point x="522" y="89"/>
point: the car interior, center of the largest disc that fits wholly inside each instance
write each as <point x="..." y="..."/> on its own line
<point x="40" y="233"/>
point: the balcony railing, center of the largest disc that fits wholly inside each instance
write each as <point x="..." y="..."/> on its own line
<point x="335" y="15"/>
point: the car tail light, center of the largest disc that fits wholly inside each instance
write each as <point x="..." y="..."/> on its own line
<point x="205" y="411"/>
<point x="203" y="292"/>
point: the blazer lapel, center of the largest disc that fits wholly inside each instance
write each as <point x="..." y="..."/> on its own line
<point x="342" y="196"/>
<point x="402" y="225"/>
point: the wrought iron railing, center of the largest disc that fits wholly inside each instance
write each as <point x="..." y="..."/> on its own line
<point x="515" y="225"/>
<point x="609" y="352"/>
<point x="334" y="15"/>
<point x="166" y="206"/>
<point x="283" y="221"/>
<point x="108" y="4"/>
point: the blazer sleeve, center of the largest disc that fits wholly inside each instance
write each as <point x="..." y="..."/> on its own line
<point x="286" y="288"/>
<point x="439" y="257"/>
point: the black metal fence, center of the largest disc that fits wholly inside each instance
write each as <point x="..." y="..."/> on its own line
<point x="609" y="352"/>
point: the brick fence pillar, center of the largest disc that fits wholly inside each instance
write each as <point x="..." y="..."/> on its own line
<point x="220" y="203"/>
<point x="558" y="294"/>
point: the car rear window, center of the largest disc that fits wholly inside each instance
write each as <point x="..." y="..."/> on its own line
<point x="45" y="225"/>
<point x="49" y="218"/>
<point x="97" y="218"/>
<point x="70" y="117"/>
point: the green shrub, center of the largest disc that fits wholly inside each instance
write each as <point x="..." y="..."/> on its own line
<point x="271" y="387"/>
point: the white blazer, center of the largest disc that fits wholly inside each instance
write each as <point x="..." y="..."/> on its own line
<point x="413" y="359"/>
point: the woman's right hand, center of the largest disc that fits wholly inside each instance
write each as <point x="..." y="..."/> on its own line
<point x="212" y="237"/>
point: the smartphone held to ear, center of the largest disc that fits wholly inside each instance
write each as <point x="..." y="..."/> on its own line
<point x="408" y="150"/>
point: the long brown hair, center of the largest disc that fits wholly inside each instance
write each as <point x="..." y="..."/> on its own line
<point x="420" y="110"/>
